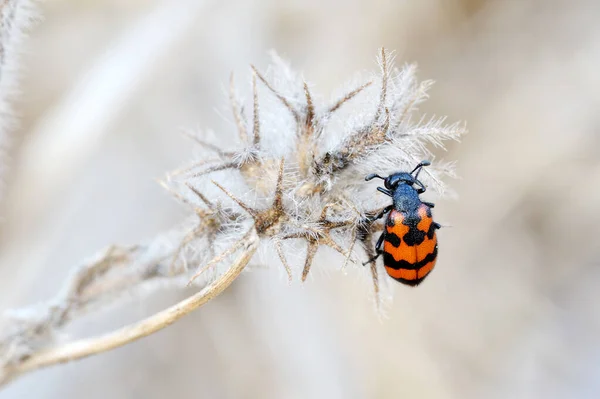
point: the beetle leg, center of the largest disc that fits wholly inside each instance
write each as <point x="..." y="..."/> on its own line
<point x="383" y="212"/>
<point x="422" y="189"/>
<point x="377" y="249"/>
<point x="429" y="204"/>
<point x="379" y="244"/>
<point x="383" y="190"/>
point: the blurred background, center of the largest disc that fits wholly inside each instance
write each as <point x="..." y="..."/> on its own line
<point x="510" y="311"/>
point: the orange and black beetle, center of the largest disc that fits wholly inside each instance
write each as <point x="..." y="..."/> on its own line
<point x="409" y="239"/>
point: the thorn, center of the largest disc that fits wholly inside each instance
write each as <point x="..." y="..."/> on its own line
<point x="293" y="235"/>
<point x="386" y="123"/>
<point x="352" y="242"/>
<point x="327" y="240"/>
<point x="278" y="196"/>
<point x="237" y="114"/>
<point x="348" y="97"/>
<point x="256" y="125"/>
<point x="384" y="83"/>
<point x="323" y="216"/>
<point x="251" y="211"/>
<point x="328" y="224"/>
<point x="193" y="166"/>
<point x="310" y="108"/>
<point x="200" y="196"/>
<point x="281" y="98"/>
<point x="311" y="250"/>
<point x="283" y="260"/>
<point x="179" y="196"/>
<point x="217" y="168"/>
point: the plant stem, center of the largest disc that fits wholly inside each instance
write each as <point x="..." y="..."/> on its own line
<point x="125" y="335"/>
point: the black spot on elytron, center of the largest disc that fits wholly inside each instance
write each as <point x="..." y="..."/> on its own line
<point x="393" y="239"/>
<point x="431" y="231"/>
<point x="389" y="261"/>
<point x="414" y="236"/>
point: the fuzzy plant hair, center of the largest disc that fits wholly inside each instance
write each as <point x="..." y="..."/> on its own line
<point x="301" y="172"/>
<point x="294" y="175"/>
<point x="16" y="16"/>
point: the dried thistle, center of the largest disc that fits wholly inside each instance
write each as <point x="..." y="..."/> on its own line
<point x="295" y="175"/>
<point x="314" y="187"/>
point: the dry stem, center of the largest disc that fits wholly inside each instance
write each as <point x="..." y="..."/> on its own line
<point x="88" y="347"/>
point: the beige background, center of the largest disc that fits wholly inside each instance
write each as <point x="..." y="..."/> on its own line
<point x="510" y="311"/>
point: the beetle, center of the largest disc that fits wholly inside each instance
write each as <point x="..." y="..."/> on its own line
<point x="409" y="237"/>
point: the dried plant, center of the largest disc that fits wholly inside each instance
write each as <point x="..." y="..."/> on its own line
<point x="296" y="176"/>
<point x="15" y="18"/>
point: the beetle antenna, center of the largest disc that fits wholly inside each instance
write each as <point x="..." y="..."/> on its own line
<point x="419" y="167"/>
<point x="372" y="176"/>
